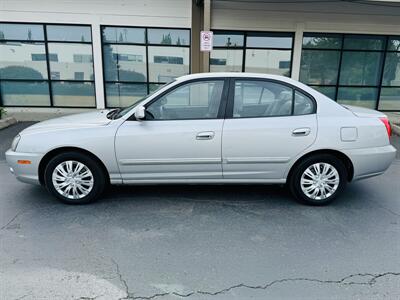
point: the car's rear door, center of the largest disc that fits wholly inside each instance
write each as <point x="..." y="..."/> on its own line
<point x="180" y="139"/>
<point x="268" y="123"/>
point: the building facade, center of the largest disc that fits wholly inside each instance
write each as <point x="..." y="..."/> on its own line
<point x="67" y="56"/>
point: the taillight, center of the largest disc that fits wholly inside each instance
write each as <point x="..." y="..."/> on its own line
<point x="387" y="125"/>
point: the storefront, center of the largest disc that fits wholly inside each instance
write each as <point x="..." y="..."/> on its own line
<point x="62" y="57"/>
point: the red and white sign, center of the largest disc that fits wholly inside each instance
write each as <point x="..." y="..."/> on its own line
<point x="206" y="41"/>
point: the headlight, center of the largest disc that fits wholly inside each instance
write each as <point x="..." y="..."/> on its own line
<point x="15" y="142"/>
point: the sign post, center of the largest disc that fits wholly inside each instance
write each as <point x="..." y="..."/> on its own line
<point x="206" y="41"/>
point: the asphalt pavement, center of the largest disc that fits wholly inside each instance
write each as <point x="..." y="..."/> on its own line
<point x="200" y="242"/>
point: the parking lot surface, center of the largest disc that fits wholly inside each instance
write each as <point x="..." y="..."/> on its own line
<point x="200" y="242"/>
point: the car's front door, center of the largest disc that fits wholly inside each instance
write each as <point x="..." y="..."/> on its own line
<point x="180" y="138"/>
<point x="268" y="123"/>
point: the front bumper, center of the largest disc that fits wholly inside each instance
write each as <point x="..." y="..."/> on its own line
<point x="28" y="173"/>
<point x="368" y="162"/>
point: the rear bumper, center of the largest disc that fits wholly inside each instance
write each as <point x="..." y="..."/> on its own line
<point x="368" y="162"/>
<point x="27" y="173"/>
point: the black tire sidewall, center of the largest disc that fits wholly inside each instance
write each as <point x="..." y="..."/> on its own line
<point x="98" y="176"/>
<point x="294" y="181"/>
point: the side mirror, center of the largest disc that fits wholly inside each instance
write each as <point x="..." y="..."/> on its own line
<point x="140" y="113"/>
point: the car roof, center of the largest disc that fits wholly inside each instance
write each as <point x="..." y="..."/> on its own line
<point x="233" y="74"/>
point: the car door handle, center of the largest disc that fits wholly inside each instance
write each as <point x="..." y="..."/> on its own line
<point x="301" y="131"/>
<point x="206" y="135"/>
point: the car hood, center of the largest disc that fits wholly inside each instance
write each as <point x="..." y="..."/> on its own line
<point x="364" y="112"/>
<point x="82" y="120"/>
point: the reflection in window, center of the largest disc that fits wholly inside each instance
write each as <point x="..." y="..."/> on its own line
<point x="123" y="95"/>
<point x="360" y="68"/>
<point x="228" y="40"/>
<point x="226" y="60"/>
<point x="73" y="94"/>
<point x="268" y="61"/>
<point x="177" y="37"/>
<point x="269" y="41"/>
<point x="72" y="58"/>
<point x="21" y="61"/>
<point x="364" y="96"/>
<point x="319" y="67"/>
<point x="24" y="93"/>
<point x="391" y="73"/>
<point x="167" y="63"/>
<point x="390" y="98"/>
<point x="124" y="35"/>
<point x="26" y="55"/>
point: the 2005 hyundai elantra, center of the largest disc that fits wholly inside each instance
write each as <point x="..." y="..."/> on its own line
<point x="209" y="128"/>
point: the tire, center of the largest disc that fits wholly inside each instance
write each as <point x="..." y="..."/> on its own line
<point x="304" y="184"/>
<point x="76" y="172"/>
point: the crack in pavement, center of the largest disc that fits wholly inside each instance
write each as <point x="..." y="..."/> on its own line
<point x="344" y="281"/>
<point x="129" y="295"/>
<point x="13" y="219"/>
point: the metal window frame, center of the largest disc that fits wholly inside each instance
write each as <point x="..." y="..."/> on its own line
<point x="146" y="45"/>
<point x="49" y="81"/>
<point x="244" y="48"/>
<point x="381" y="68"/>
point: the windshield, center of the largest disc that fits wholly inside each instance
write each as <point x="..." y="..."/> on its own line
<point x="119" y="112"/>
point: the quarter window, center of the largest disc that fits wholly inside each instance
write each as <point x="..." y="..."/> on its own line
<point x="195" y="100"/>
<point x="267" y="99"/>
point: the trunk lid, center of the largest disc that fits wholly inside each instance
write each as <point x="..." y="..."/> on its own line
<point x="364" y="112"/>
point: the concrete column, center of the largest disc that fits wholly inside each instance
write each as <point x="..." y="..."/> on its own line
<point x="195" y="55"/>
<point x="98" y="65"/>
<point x="298" y="42"/>
<point x="206" y="27"/>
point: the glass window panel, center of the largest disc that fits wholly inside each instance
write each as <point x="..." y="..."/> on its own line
<point x="389" y="99"/>
<point x="303" y="105"/>
<point x="394" y="44"/>
<point x="24" y="93"/>
<point x="155" y="86"/>
<point x="319" y="67"/>
<point x="329" y="91"/>
<point x="360" y="68"/>
<point x="269" y="41"/>
<point x="365" y="97"/>
<point x="124" y="63"/>
<point x="69" y="60"/>
<point x="24" y="32"/>
<point x="23" y="61"/>
<point x="226" y="60"/>
<point x="68" y="33"/>
<point x="391" y="74"/>
<point x="195" y="100"/>
<point x="228" y="40"/>
<point x="78" y="94"/>
<point x="322" y="41"/>
<point x="167" y="63"/>
<point x="168" y="36"/>
<point x="268" y="61"/>
<point x="124" y="35"/>
<point x="361" y="42"/>
<point x="123" y="94"/>
<point x="261" y="99"/>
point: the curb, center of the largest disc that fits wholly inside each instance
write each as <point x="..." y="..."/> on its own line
<point x="4" y="123"/>
<point x="395" y="129"/>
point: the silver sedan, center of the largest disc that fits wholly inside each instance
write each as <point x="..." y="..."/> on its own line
<point x="231" y="128"/>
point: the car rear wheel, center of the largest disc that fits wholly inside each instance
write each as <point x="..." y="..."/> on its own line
<point x="74" y="178"/>
<point x="318" y="179"/>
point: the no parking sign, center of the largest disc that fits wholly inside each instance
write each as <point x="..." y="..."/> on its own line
<point x="206" y="41"/>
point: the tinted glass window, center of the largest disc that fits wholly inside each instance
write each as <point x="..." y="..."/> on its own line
<point x="228" y="40"/>
<point x="268" y="61"/>
<point x="73" y="94"/>
<point x="175" y="37"/>
<point x="303" y="105"/>
<point x="22" y="32"/>
<point x="319" y="67"/>
<point x="68" y="33"/>
<point x="390" y="98"/>
<point x="322" y="41"/>
<point x="124" y="35"/>
<point x="361" y="42"/>
<point x="269" y="41"/>
<point x="261" y="99"/>
<point x="124" y="94"/>
<point x="394" y="44"/>
<point x="222" y="60"/>
<point x="196" y="100"/>
<point x="25" y="93"/>
<point x="363" y="96"/>
<point x="391" y="73"/>
<point x="23" y="60"/>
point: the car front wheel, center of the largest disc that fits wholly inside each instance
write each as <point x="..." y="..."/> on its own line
<point x="318" y="179"/>
<point x="74" y="178"/>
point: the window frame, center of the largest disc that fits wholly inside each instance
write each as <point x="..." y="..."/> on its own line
<point x="231" y="97"/>
<point x="45" y="41"/>
<point x="222" y="104"/>
<point x="146" y="45"/>
<point x="381" y="67"/>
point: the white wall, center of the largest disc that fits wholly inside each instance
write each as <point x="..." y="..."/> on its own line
<point x="152" y="13"/>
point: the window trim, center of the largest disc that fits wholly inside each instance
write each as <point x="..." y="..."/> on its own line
<point x="231" y="97"/>
<point x="222" y="105"/>
<point x="49" y="81"/>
